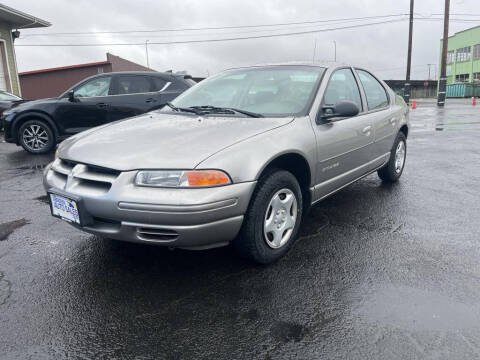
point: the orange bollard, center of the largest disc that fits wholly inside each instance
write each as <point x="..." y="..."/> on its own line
<point x="474" y="101"/>
<point x="414" y="104"/>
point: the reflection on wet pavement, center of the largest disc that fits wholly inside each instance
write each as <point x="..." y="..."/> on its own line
<point x="379" y="272"/>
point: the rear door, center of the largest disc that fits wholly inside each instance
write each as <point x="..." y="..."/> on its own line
<point x="344" y="146"/>
<point x="131" y="95"/>
<point x="380" y="112"/>
<point x="89" y="108"/>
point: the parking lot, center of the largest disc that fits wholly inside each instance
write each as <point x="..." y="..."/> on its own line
<point x="380" y="271"/>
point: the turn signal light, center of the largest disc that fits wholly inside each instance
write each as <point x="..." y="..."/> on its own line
<point x="207" y="178"/>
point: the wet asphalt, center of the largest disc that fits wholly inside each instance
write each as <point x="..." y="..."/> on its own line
<point x="380" y="272"/>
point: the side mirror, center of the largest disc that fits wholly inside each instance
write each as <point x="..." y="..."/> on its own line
<point x="344" y="108"/>
<point x="71" y="96"/>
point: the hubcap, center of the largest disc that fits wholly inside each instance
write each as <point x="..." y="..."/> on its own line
<point x="35" y="137"/>
<point x="399" y="157"/>
<point x="280" y="218"/>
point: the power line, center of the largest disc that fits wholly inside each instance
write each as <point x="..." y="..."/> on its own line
<point x="218" y="28"/>
<point x="222" y="39"/>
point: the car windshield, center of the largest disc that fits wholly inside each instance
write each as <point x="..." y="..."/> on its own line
<point x="4" y="96"/>
<point x="266" y="91"/>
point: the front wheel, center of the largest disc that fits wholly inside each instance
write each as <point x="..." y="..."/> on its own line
<point x="394" y="168"/>
<point x="36" y="137"/>
<point x="273" y="218"/>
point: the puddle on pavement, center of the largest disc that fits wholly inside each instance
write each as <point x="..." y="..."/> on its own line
<point x="283" y="331"/>
<point x="7" y="228"/>
<point x="417" y="309"/>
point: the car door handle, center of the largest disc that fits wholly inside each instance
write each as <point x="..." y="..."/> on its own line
<point x="102" y="105"/>
<point x="366" y="130"/>
<point x="149" y="100"/>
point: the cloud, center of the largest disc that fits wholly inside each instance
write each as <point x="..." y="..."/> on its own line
<point x="381" y="48"/>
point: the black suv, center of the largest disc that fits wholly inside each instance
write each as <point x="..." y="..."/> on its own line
<point x="38" y="125"/>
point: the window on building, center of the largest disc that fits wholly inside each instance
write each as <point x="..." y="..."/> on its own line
<point x="462" y="78"/>
<point x="463" y="54"/>
<point x="476" y="77"/>
<point x="450" y="56"/>
<point x="476" y="51"/>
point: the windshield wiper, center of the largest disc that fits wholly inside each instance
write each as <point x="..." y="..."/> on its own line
<point x="180" y="109"/>
<point x="227" y="110"/>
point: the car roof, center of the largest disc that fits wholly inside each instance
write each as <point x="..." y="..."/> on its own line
<point x="325" y="64"/>
<point x="150" y="73"/>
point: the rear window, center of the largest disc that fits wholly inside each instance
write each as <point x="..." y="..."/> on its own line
<point x="132" y="84"/>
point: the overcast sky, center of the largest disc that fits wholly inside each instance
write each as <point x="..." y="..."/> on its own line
<point x="381" y="48"/>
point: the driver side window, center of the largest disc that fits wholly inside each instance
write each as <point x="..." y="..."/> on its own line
<point x="94" y="87"/>
<point x="342" y="86"/>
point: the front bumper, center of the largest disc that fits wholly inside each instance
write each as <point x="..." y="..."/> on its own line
<point x="184" y="218"/>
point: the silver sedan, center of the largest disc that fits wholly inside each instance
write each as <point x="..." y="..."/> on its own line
<point x="236" y="159"/>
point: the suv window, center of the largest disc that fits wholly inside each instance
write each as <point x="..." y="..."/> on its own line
<point x="342" y="86"/>
<point x="374" y="91"/>
<point x="95" y="87"/>
<point x="159" y="84"/>
<point x="132" y="84"/>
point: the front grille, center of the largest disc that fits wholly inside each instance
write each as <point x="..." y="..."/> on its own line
<point x="156" y="234"/>
<point x="88" y="179"/>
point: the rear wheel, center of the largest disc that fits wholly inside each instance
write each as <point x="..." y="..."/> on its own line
<point x="272" y="221"/>
<point x="394" y="168"/>
<point x="36" y="137"/>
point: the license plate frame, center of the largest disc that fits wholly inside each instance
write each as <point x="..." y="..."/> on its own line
<point x="74" y="212"/>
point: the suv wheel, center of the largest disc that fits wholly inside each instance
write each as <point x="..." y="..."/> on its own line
<point x="394" y="168"/>
<point x="273" y="218"/>
<point x="36" y="137"/>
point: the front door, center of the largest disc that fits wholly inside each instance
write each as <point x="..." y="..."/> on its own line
<point x="344" y="146"/>
<point x="89" y="107"/>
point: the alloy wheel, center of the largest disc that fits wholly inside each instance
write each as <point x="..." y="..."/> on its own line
<point x="35" y="137"/>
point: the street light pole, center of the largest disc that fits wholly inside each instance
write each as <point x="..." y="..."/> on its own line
<point x="406" y="95"/>
<point x="442" y="83"/>
<point x="335" y="46"/>
<point x="146" y="53"/>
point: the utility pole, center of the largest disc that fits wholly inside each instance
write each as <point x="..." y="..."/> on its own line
<point x="442" y="83"/>
<point x="406" y="95"/>
<point x="335" y="56"/>
<point x="146" y="53"/>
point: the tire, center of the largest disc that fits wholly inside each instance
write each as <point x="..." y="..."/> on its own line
<point x="393" y="170"/>
<point x="277" y="189"/>
<point x="36" y="137"/>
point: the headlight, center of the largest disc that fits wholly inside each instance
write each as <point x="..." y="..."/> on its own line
<point x="182" y="178"/>
<point x="8" y="114"/>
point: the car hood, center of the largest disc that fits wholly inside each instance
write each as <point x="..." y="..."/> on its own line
<point x="26" y="104"/>
<point x="162" y="140"/>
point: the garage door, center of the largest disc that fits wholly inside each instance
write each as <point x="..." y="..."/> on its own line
<point x="3" y="80"/>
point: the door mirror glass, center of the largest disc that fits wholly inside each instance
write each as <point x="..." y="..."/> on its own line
<point x="342" y="109"/>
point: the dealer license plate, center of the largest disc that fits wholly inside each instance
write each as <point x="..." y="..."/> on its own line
<point x="65" y="208"/>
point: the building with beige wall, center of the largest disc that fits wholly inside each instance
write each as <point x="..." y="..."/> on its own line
<point x="11" y="24"/>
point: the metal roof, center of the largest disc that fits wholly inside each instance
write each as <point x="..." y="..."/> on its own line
<point x="20" y="20"/>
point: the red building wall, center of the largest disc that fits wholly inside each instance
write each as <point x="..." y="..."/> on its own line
<point x="46" y="83"/>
